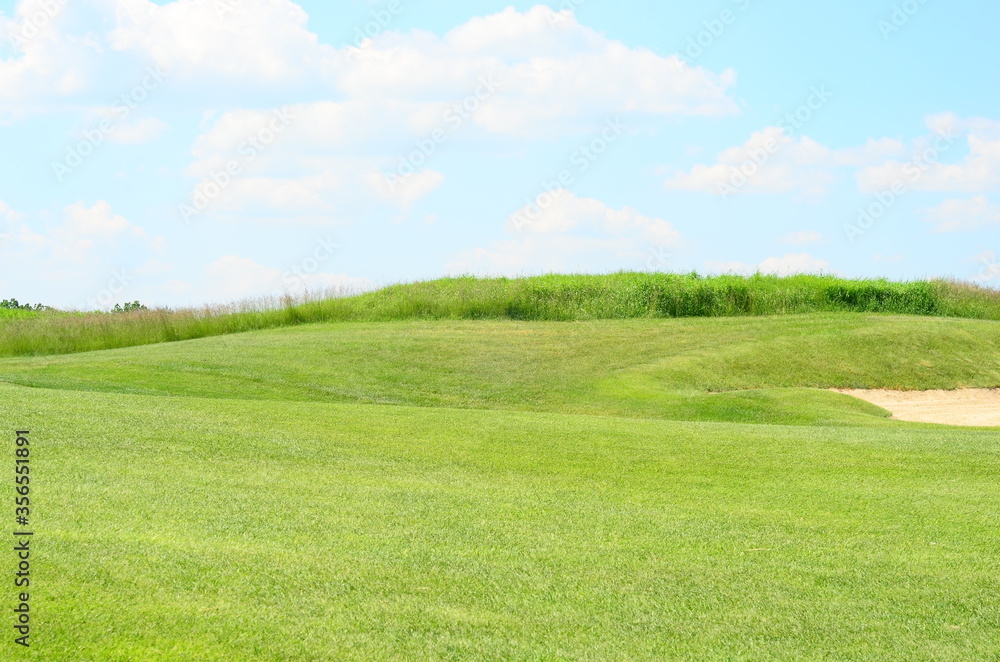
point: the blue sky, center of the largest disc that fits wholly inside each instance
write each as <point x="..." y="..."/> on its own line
<point x="208" y="150"/>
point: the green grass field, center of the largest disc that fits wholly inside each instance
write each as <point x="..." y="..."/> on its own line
<point x="7" y="314"/>
<point x="540" y="298"/>
<point x="498" y="489"/>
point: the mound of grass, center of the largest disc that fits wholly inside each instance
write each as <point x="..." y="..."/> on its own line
<point x="636" y="295"/>
<point x="548" y="298"/>
<point x="722" y="369"/>
<point x="632" y="295"/>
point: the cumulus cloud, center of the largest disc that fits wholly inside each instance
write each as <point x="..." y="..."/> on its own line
<point x="563" y="232"/>
<point x="803" y="237"/>
<point x="47" y="61"/>
<point x="532" y="73"/>
<point x="989" y="269"/>
<point x="266" y="41"/>
<point x="138" y="132"/>
<point x="78" y="253"/>
<point x="304" y="160"/>
<point x="797" y="263"/>
<point x="98" y="220"/>
<point x="771" y="161"/>
<point x="872" y="152"/>
<point x="84" y="233"/>
<point x="801" y="263"/>
<point x="402" y="96"/>
<point x="232" y="278"/>
<point x="405" y="191"/>
<point x="928" y="168"/>
<point x="551" y="73"/>
<point x="959" y="215"/>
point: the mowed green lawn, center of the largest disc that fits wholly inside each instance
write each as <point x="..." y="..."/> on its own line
<point x="502" y="490"/>
<point x="747" y="369"/>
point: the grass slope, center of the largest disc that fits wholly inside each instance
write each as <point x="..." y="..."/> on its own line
<point x="216" y="529"/>
<point x="732" y="369"/>
<point x="497" y="489"/>
<point x="554" y="297"/>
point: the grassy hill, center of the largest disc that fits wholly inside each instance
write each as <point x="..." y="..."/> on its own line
<point x="732" y="369"/>
<point x="543" y="298"/>
<point x="434" y="487"/>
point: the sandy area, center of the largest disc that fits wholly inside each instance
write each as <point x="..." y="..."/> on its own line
<point x="972" y="407"/>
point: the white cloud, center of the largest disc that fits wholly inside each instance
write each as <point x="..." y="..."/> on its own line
<point x="89" y="234"/>
<point x="771" y="161"/>
<point x="406" y="191"/>
<point x="800" y="263"/>
<point x="75" y="256"/>
<point x="231" y="278"/>
<point x="313" y="166"/>
<point x="48" y="61"/>
<point x="153" y="266"/>
<point x="510" y="33"/>
<point x="959" y="215"/>
<point x="282" y="196"/>
<point x="803" y="237"/>
<point x="7" y="214"/>
<point x="989" y="270"/>
<point x="552" y="72"/>
<point x="872" y="152"/>
<point x="532" y="72"/>
<point x="98" y="220"/>
<point x="141" y="131"/>
<point x="563" y="232"/>
<point x="233" y="134"/>
<point x="266" y="41"/>
<point x="528" y="73"/>
<point x="927" y="169"/>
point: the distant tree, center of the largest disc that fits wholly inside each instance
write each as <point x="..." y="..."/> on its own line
<point x="128" y="307"/>
<point x="12" y="304"/>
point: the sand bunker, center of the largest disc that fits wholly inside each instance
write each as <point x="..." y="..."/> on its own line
<point x="973" y="407"/>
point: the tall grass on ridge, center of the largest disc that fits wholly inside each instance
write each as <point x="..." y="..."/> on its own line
<point x="553" y="297"/>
